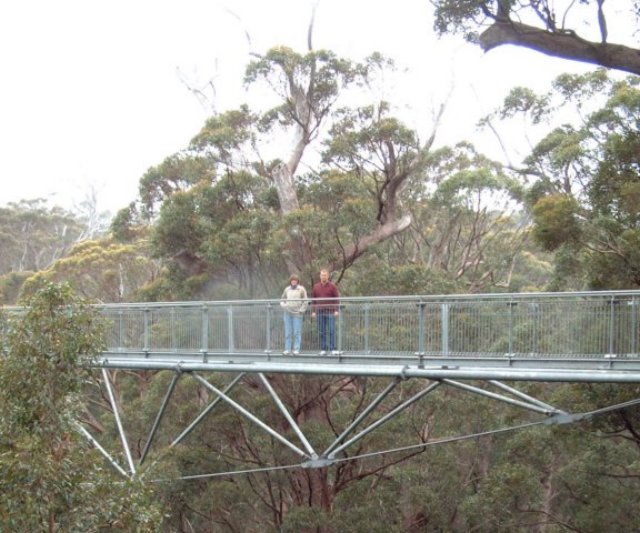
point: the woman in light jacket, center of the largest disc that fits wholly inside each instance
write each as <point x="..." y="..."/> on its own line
<point x="294" y="303"/>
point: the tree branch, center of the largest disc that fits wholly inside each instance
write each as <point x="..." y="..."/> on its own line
<point x="565" y="45"/>
<point x="381" y="233"/>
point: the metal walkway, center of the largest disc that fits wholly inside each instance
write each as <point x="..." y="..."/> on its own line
<point x="587" y="336"/>
<point x="440" y="340"/>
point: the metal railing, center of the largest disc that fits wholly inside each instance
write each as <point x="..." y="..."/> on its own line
<point x="559" y="325"/>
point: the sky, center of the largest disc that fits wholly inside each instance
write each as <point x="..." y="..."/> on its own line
<point x="94" y="93"/>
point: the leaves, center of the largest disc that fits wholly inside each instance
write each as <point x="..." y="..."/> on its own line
<point x="49" y="478"/>
<point x="556" y="220"/>
<point x="584" y="194"/>
<point x="33" y="235"/>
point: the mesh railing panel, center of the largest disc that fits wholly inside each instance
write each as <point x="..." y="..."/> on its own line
<point x="584" y="325"/>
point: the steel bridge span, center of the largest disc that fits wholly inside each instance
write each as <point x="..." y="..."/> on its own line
<point x="473" y="343"/>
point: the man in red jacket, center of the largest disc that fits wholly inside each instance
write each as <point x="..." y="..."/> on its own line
<point x="325" y="304"/>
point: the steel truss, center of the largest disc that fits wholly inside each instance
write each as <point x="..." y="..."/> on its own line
<point x="455" y="341"/>
<point x="337" y="451"/>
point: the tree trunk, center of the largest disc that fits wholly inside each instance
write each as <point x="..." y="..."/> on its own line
<point x="283" y="180"/>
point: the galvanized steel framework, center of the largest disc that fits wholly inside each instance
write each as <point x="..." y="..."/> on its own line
<point x="444" y="340"/>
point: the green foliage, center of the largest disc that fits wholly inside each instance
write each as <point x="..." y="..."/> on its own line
<point x="178" y="227"/>
<point x="467" y="186"/>
<point x="225" y="135"/>
<point x="127" y="225"/>
<point x="584" y="194"/>
<point x="230" y="223"/>
<point x="457" y="16"/>
<point x="467" y="224"/>
<point x="304" y="518"/>
<point x="49" y="341"/>
<point x="49" y="479"/>
<point x="524" y="100"/>
<point x="401" y="279"/>
<point x="556" y="220"/>
<point x="176" y="173"/>
<point x="222" y="229"/>
<point x="101" y="270"/>
<point x="33" y="235"/>
<point x="367" y="135"/>
<point x="559" y="159"/>
<point x="11" y="285"/>
<point x="581" y="88"/>
<point x="321" y="71"/>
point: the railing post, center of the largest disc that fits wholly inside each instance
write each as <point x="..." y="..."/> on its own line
<point x="268" y="332"/>
<point x="204" y="341"/>
<point x="230" y="328"/>
<point x="534" y="309"/>
<point x="444" y="328"/>
<point x="633" y="349"/>
<point x="146" y="332"/>
<point x="612" y="326"/>
<point x="421" y="327"/>
<point x="339" y="340"/>
<point x="172" y="326"/>
<point x="511" y="306"/>
<point x="366" y="327"/>
<point x="120" y="331"/>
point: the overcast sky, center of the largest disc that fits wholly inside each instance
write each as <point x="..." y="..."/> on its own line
<point x="93" y="92"/>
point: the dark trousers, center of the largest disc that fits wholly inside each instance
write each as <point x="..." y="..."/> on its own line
<point x="326" y="330"/>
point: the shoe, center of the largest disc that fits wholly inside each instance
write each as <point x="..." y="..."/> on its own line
<point x="286" y="352"/>
<point x="323" y="352"/>
<point x="335" y="352"/>
<point x="296" y="352"/>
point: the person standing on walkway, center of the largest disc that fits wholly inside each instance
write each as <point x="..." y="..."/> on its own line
<point x="325" y="304"/>
<point x="294" y="303"/>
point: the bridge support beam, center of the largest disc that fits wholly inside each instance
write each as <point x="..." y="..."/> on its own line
<point x="336" y="452"/>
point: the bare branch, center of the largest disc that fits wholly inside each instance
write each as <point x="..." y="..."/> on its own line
<point x="244" y="29"/>
<point x="311" y="25"/>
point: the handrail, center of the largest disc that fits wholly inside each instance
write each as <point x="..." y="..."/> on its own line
<point x="570" y="324"/>
<point x="398" y="298"/>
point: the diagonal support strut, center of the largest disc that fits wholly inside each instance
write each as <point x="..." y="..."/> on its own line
<point x="116" y="413"/>
<point x="385" y="418"/>
<point x="288" y="416"/>
<point x="531" y="407"/>
<point x="251" y="417"/>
